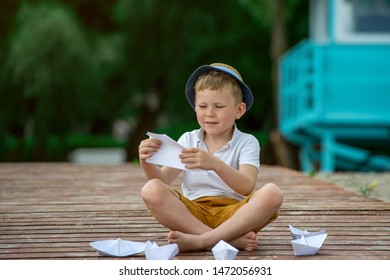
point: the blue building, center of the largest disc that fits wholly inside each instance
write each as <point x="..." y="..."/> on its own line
<point x="334" y="95"/>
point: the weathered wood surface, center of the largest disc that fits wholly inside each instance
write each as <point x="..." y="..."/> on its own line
<point x="53" y="211"/>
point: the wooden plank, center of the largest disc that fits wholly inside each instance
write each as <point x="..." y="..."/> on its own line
<point x="53" y="211"/>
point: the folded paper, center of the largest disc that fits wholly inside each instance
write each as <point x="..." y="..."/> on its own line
<point x="224" y="251"/>
<point x="306" y="243"/>
<point x="298" y="233"/>
<point x="118" y="247"/>
<point x="165" y="252"/>
<point x="169" y="152"/>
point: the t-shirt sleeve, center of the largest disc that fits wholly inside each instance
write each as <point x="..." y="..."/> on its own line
<point x="250" y="152"/>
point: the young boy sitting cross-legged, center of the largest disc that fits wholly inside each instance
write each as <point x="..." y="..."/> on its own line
<point x="218" y="199"/>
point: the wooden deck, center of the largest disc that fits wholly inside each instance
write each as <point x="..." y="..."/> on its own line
<point x="53" y="211"/>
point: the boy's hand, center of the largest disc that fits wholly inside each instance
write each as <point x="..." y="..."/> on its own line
<point x="148" y="147"/>
<point x="197" y="158"/>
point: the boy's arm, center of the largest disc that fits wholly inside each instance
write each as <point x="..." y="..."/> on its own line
<point x="165" y="174"/>
<point x="243" y="181"/>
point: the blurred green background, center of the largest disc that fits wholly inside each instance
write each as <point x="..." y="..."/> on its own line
<point x="94" y="73"/>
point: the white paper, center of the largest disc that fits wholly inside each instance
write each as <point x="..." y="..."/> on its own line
<point x="306" y="243"/>
<point x="169" y="152"/>
<point x="224" y="251"/>
<point x="297" y="233"/>
<point x="118" y="247"/>
<point x="165" y="252"/>
<point x="308" y="246"/>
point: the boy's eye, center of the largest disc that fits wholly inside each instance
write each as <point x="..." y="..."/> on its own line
<point x="220" y="106"/>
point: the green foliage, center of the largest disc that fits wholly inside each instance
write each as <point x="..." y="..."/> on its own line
<point x="176" y="130"/>
<point x="50" y="81"/>
<point x="76" y="66"/>
<point x="312" y="173"/>
<point x="367" y="187"/>
<point x="169" y="39"/>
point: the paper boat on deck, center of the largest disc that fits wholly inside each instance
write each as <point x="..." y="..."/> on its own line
<point x="165" y="252"/>
<point x="297" y="233"/>
<point x="224" y="251"/>
<point x="308" y="246"/>
<point x="118" y="247"/>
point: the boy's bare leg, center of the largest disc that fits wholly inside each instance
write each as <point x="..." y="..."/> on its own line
<point x="165" y="204"/>
<point x="262" y="205"/>
<point x="167" y="208"/>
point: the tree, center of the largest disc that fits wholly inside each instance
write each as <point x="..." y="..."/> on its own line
<point x="50" y="81"/>
<point x="274" y="15"/>
<point x="79" y="65"/>
<point x="167" y="40"/>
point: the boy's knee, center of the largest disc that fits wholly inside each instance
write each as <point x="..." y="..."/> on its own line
<point x="274" y="194"/>
<point x="151" y="190"/>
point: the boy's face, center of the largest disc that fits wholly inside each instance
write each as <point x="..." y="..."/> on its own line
<point x="217" y="110"/>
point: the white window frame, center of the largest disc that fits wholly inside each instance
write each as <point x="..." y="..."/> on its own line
<point x="343" y="18"/>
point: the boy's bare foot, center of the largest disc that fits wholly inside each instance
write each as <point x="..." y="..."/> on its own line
<point x="189" y="242"/>
<point x="186" y="242"/>
<point x="247" y="242"/>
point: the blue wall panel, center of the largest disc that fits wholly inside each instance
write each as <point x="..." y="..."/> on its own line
<point x="335" y="92"/>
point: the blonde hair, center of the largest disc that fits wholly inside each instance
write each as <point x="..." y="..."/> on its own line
<point x="216" y="80"/>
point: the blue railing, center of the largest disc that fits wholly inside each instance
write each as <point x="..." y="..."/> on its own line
<point x="334" y="100"/>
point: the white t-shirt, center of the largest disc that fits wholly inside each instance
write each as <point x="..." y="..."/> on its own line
<point x="243" y="148"/>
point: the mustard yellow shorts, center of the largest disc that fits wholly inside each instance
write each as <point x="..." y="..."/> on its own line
<point x="214" y="210"/>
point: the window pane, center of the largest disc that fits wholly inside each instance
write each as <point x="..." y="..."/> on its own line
<point x="371" y="16"/>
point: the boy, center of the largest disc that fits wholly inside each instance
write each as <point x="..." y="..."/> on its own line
<point x="218" y="202"/>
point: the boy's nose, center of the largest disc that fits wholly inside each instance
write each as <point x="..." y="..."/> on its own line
<point x="210" y="113"/>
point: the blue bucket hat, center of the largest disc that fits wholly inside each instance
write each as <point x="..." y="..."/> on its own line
<point x="247" y="95"/>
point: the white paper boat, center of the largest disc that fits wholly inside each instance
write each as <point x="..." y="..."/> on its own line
<point x="297" y="233"/>
<point x="118" y="247"/>
<point x="224" y="251"/>
<point x="165" y="252"/>
<point x="308" y="246"/>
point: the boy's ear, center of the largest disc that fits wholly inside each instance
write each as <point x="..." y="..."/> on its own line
<point x="240" y="110"/>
